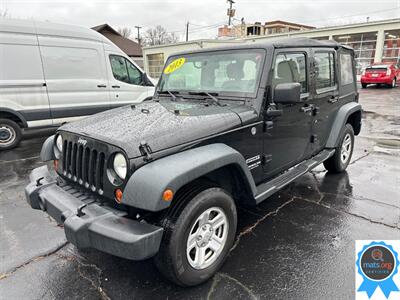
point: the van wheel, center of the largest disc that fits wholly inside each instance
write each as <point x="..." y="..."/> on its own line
<point x="197" y="236"/>
<point x="364" y="85"/>
<point x="10" y="134"/>
<point x="341" y="159"/>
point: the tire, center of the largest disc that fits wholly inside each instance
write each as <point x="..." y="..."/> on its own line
<point x="393" y="85"/>
<point x="10" y="134"/>
<point x="337" y="163"/>
<point x="173" y="260"/>
<point x="364" y="85"/>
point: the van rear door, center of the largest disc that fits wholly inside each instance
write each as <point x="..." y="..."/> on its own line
<point x="75" y="76"/>
<point x="126" y="81"/>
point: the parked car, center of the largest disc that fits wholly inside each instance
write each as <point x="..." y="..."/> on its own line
<point x="226" y="127"/>
<point x="51" y="74"/>
<point x="387" y="74"/>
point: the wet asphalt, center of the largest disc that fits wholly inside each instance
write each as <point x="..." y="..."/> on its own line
<point x="298" y="244"/>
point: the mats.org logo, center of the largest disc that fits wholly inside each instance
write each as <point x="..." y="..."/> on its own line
<point x="377" y="270"/>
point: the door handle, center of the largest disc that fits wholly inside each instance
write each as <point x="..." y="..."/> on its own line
<point x="101" y="86"/>
<point x="333" y="99"/>
<point x="307" y="109"/>
<point x="115" y="86"/>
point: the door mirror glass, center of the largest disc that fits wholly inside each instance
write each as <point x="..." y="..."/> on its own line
<point x="287" y="93"/>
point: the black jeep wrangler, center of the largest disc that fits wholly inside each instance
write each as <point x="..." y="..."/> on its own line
<point x="225" y="127"/>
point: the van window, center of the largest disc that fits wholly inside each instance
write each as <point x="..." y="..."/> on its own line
<point x="20" y="62"/>
<point x="325" y="70"/>
<point x="290" y="67"/>
<point x="346" y="69"/>
<point x="71" y="63"/>
<point x="124" y="70"/>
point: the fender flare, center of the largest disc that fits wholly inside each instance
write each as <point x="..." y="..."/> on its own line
<point x="340" y="122"/>
<point x="145" y="187"/>
<point x="47" y="152"/>
<point x="15" y="113"/>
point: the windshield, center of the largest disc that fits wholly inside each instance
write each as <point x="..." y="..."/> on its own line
<point x="233" y="72"/>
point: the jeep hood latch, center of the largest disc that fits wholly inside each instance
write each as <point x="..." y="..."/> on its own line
<point x="145" y="150"/>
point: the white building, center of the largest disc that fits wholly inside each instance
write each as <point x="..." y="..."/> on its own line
<point x="373" y="42"/>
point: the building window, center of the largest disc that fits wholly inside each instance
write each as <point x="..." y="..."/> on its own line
<point x="325" y="70"/>
<point x="155" y="63"/>
<point x="391" y="47"/>
<point x="364" y="45"/>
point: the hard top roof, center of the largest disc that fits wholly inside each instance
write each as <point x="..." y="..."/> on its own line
<point x="280" y="43"/>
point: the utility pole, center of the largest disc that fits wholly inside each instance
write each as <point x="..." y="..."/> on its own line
<point x="187" y="31"/>
<point x="138" y="33"/>
<point x="230" y="11"/>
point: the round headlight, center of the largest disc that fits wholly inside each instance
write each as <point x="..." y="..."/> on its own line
<point x="59" y="143"/>
<point x="120" y="165"/>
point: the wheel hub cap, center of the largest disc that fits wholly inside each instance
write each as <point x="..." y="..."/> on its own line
<point x="207" y="238"/>
<point x="346" y="148"/>
<point x="6" y="134"/>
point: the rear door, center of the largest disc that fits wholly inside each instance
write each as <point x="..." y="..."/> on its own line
<point x="125" y="81"/>
<point x="76" y="77"/>
<point x="287" y="137"/>
<point x="325" y="92"/>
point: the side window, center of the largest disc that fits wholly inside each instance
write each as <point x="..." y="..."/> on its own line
<point x="346" y="69"/>
<point x="325" y="70"/>
<point x="119" y="69"/>
<point x="290" y="67"/>
<point x="124" y="70"/>
<point x="135" y="77"/>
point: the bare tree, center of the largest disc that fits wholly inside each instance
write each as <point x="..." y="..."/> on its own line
<point x="125" y="32"/>
<point x="4" y="13"/>
<point x="159" y="36"/>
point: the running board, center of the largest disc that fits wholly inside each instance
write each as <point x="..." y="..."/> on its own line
<point x="265" y="190"/>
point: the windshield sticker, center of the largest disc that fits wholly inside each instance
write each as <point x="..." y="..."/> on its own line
<point x="174" y="65"/>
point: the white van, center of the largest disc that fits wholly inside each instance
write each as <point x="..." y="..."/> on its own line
<point x="52" y="73"/>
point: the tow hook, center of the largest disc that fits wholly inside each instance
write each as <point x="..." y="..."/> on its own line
<point x="39" y="181"/>
<point x="79" y="211"/>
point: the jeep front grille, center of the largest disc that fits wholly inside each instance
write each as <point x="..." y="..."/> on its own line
<point x="83" y="165"/>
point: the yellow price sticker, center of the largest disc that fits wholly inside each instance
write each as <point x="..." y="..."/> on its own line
<point x="174" y="65"/>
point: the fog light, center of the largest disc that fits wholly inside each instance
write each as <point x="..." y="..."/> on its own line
<point x="168" y="195"/>
<point x="118" y="195"/>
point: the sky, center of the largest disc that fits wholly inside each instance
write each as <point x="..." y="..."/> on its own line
<point x="204" y="16"/>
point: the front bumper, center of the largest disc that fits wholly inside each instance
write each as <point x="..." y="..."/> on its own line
<point x="89" y="223"/>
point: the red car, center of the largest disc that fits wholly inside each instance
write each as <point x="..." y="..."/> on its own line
<point x="380" y="74"/>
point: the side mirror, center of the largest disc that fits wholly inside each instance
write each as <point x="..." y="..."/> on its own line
<point x="287" y="93"/>
<point x="146" y="80"/>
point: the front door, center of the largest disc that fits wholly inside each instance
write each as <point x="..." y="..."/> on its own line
<point x="125" y="81"/>
<point x="287" y="136"/>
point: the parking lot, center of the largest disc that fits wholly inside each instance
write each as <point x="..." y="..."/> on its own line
<point x="299" y="244"/>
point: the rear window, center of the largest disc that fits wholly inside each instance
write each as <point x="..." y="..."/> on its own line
<point x="374" y="69"/>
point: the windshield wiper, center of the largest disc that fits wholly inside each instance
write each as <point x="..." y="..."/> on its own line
<point x="213" y="96"/>
<point x="171" y="93"/>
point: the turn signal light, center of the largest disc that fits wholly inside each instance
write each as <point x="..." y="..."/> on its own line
<point x="118" y="195"/>
<point x="168" y="195"/>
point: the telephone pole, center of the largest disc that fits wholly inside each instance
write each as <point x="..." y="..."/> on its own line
<point x="138" y="33"/>
<point x="187" y="31"/>
<point x="230" y="11"/>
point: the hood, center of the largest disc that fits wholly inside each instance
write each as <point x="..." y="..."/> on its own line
<point x="161" y="124"/>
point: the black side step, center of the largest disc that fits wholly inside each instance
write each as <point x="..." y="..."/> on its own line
<point x="266" y="189"/>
